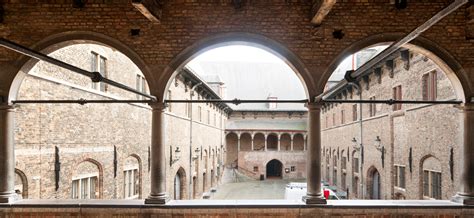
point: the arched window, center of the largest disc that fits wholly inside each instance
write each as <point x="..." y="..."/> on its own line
<point x="86" y="180"/>
<point x="131" y="178"/>
<point x="431" y="178"/>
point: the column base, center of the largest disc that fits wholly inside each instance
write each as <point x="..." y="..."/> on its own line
<point x="310" y="199"/>
<point x="8" y="198"/>
<point x="157" y="199"/>
<point x="462" y="198"/>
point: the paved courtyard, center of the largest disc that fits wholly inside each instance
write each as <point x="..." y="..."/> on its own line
<point x="253" y="189"/>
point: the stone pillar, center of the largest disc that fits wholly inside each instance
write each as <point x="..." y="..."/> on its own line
<point x="279" y="142"/>
<point x="466" y="192"/>
<point x="158" y="193"/>
<point x="238" y="142"/>
<point x="313" y="157"/>
<point x="251" y="140"/>
<point x="265" y="143"/>
<point x="7" y="154"/>
<point x="291" y="141"/>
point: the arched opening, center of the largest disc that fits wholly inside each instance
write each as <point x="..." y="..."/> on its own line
<point x="86" y="180"/>
<point x="259" y="142"/>
<point x="179" y="186"/>
<point x="87" y="131"/>
<point x="21" y="184"/>
<point x="272" y="142"/>
<point x="374" y="184"/>
<point x="231" y="147"/>
<point x="298" y="142"/>
<point x="132" y="177"/>
<point x="245" y="142"/>
<point x="431" y="178"/>
<point x="274" y="169"/>
<point x="285" y="142"/>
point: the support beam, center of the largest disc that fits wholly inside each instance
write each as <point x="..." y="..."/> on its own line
<point x="94" y="76"/>
<point x="151" y="9"/>
<point x="320" y="9"/>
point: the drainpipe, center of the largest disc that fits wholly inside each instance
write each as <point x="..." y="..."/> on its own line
<point x="191" y="93"/>
<point x="361" y="158"/>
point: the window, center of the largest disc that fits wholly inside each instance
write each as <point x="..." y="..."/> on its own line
<point x="255" y="169"/>
<point x="199" y="114"/>
<point x="429" y="86"/>
<point x="397" y="95"/>
<point x="208" y="117"/>
<point x="342" y="116"/>
<point x="84" y="188"/>
<point x="215" y="120"/>
<point x="343" y="180"/>
<point x="333" y="119"/>
<point x="169" y="98"/>
<point x="400" y="176"/>
<point x="99" y="64"/>
<point x="327" y="121"/>
<point x="131" y="183"/>
<point x="343" y="162"/>
<point x="334" y="176"/>
<point x="140" y="85"/>
<point x="431" y="184"/>
<point x="187" y="109"/>
<point x="355" y="164"/>
<point x="354" y="112"/>
<point x="293" y="168"/>
<point x="372" y="107"/>
<point x="355" y="185"/>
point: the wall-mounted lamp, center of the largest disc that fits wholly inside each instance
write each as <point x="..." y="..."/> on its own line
<point x="197" y="152"/>
<point x="176" y="156"/>
<point x="355" y="145"/>
<point x="381" y="148"/>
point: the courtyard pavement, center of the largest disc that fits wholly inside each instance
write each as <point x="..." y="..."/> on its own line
<point x="252" y="189"/>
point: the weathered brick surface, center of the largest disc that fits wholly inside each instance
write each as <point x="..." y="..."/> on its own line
<point x="90" y="132"/>
<point x="430" y="130"/>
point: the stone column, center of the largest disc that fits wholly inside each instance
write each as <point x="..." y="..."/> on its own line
<point x="158" y="193"/>
<point x="7" y="154"/>
<point x="291" y="142"/>
<point x="265" y="143"/>
<point x="279" y="142"/>
<point x="251" y="140"/>
<point x="466" y="192"/>
<point x="238" y="142"/>
<point x="313" y="157"/>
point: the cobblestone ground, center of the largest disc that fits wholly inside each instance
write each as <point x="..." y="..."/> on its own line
<point x="243" y="188"/>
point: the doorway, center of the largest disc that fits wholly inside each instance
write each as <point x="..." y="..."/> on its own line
<point x="274" y="169"/>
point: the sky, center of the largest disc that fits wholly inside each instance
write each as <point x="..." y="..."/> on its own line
<point x="239" y="53"/>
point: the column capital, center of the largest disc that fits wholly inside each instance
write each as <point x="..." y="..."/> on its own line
<point x="158" y="106"/>
<point x="7" y="106"/>
<point x="469" y="106"/>
<point x="313" y="106"/>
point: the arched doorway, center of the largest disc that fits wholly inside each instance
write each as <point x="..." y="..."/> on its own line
<point x="274" y="169"/>
<point x="373" y="184"/>
<point x="179" y="185"/>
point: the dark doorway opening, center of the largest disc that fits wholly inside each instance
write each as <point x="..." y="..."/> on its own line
<point x="274" y="169"/>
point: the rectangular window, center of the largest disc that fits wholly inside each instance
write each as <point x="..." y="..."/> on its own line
<point x="255" y="169"/>
<point x="343" y="181"/>
<point x="343" y="163"/>
<point x="84" y="188"/>
<point x="429" y="86"/>
<point x="354" y="112"/>
<point x="293" y="168"/>
<point x="187" y="109"/>
<point x="215" y="120"/>
<point x="397" y="95"/>
<point x="333" y="119"/>
<point x="355" y="164"/>
<point x="342" y="117"/>
<point x="199" y="114"/>
<point x="327" y="121"/>
<point x="208" y="117"/>
<point x="99" y="64"/>
<point x="131" y="184"/>
<point x="432" y="184"/>
<point x="372" y="107"/>
<point x="400" y="176"/>
<point x="140" y="86"/>
<point x="334" y="177"/>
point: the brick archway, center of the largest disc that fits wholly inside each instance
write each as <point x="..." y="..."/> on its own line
<point x="447" y="62"/>
<point x="237" y="38"/>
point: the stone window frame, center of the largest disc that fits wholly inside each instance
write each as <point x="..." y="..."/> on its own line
<point x="430" y="184"/>
<point x="134" y="179"/>
<point x="79" y="181"/>
<point x="400" y="176"/>
<point x="96" y="66"/>
<point x="429" y="85"/>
